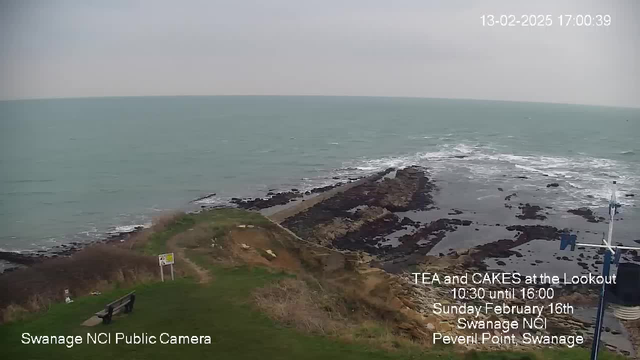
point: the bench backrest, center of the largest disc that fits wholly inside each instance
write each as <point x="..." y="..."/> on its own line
<point x="119" y="301"/>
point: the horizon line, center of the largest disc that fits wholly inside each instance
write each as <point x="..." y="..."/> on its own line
<point x="307" y="95"/>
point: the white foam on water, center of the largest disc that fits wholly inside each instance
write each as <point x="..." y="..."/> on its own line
<point x="584" y="180"/>
<point x="530" y="169"/>
<point x="125" y="229"/>
<point x="574" y="185"/>
<point x="464" y="148"/>
<point x="487" y="197"/>
<point x="214" y="201"/>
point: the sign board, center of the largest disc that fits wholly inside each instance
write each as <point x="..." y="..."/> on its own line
<point x="165" y="259"/>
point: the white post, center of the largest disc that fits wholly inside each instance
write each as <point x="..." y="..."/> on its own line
<point x="161" y="273"/>
<point x="613" y="203"/>
<point x="172" y="272"/>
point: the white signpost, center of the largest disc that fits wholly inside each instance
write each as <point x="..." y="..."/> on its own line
<point x="166" y="259"/>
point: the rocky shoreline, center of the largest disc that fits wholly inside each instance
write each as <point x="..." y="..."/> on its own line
<point x="360" y="218"/>
<point x="28" y="258"/>
<point x="394" y="218"/>
<point x="21" y="259"/>
<point x="375" y="218"/>
<point x="372" y="217"/>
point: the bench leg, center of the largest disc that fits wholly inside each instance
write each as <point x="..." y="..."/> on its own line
<point x="129" y="307"/>
<point x="107" y="318"/>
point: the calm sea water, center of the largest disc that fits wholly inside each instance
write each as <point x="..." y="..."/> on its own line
<point x="75" y="169"/>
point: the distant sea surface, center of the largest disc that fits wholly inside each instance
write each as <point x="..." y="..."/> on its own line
<point x="77" y="169"/>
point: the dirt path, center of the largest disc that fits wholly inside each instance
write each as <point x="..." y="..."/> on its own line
<point x="202" y="275"/>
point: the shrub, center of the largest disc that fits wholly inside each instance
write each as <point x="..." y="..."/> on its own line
<point x="97" y="267"/>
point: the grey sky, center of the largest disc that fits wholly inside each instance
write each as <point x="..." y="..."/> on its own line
<point x="376" y="48"/>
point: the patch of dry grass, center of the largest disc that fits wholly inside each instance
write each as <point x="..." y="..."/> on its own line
<point x="96" y="268"/>
<point x="379" y="334"/>
<point x="307" y="306"/>
<point x="293" y="302"/>
<point x="162" y="222"/>
<point x="202" y="235"/>
<point x="13" y="313"/>
<point x="159" y="224"/>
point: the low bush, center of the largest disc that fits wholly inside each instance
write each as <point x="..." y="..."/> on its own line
<point x="96" y="268"/>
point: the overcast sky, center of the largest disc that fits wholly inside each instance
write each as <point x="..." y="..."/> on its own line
<point x="422" y="48"/>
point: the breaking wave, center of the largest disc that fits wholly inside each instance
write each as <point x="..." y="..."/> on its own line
<point x="128" y="228"/>
<point x="214" y="201"/>
<point x="585" y="180"/>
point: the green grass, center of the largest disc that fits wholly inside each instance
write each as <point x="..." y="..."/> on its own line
<point x="221" y="219"/>
<point x="220" y="310"/>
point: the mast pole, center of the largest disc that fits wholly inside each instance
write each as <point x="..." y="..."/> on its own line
<point x="597" y="333"/>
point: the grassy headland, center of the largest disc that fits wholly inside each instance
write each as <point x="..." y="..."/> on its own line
<point x="224" y="306"/>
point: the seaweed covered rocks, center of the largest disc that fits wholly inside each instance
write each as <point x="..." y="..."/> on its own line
<point x="587" y="214"/>
<point x="280" y="198"/>
<point x="357" y="218"/>
<point x="530" y="212"/>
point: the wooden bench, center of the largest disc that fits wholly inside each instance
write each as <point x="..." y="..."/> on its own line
<point x="126" y="302"/>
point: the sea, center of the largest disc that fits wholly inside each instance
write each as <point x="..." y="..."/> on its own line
<point x="77" y="170"/>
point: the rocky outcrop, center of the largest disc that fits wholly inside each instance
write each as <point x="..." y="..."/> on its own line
<point x="587" y="214"/>
<point x="339" y="227"/>
<point x="29" y="258"/>
<point x="428" y="236"/>
<point x="408" y="190"/>
<point x="530" y="212"/>
<point x="527" y="233"/>
<point x="503" y="248"/>
<point x="203" y="197"/>
<point x="497" y="249"/>
<point x="280" y="198"/>
<point x="357" y="218"/>
<point x="22" y="258"/>
<point x="322" y="189"/>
